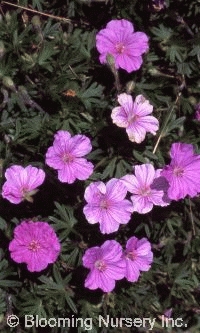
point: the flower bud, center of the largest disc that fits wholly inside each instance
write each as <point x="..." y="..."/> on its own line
<point x="36" y="22"/>
<point x="153" y="71"/>
<point x="8" y="83"/>
<point x="192" y="100"/>
<point x="111" y="62"/>
<point x="130" y="86"/>
<point x="8" y="17"/>
<point x="2" y="49"/>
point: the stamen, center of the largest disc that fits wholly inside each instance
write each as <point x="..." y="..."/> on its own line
<point x="100" y="265"/>
<point x="120" y="48"/>
<point x="34" y="246"/>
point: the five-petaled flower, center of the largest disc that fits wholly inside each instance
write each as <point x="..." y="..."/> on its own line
<point x="107" y="205"/>
<point x="148" y="188"/>
<point x="138" y="257"/>
<point x="126" y="46"/>
<point x="135" y="117"/>
<point x="35" y="244"/>
<point x="21" y="183"/>
<point x="183" y="171"/>
<point x="66" y="156"/>
<point x="106" y="265"/>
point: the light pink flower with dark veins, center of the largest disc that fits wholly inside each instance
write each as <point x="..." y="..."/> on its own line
<point x="148" y="188"/>
<point x="138" y="257"/>
<point x="21" y="183"/>
<point x="106" y="265"/>
<point x="135" y="117"/>
<point x="35" y="244"/>
<point x="126" y="46"/>
<point x="107" y="205"/>
<point x="182" y="173"/>
<point x="66" y="156"/>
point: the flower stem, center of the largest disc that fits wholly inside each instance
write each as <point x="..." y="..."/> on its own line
<point x="192" y="219"/>
<point x="166" y="122"/>
<point x="38" y="12"/>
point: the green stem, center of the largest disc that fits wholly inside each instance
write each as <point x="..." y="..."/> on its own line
<point x="166" y="122"/>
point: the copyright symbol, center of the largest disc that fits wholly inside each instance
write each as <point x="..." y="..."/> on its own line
<point x="12" y="320"/>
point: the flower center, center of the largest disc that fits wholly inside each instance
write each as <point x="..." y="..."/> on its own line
<point x="104" y="204"/>
<point x="34" y="246"/>
<point x="120" y="48"/>
<point x="100" y="265"/>
<point x="145" y="191"/>
<point x="133" y="118"/>
<point x="178" y="171"/>
<point x="66" y="158"/>
<point x="131" y="255"/>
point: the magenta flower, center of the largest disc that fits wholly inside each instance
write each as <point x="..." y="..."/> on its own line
<point x="107" y="205"/>
<point x="126" y="46"/>
<point x="21" y="183"/>
<point x="148" y="188"/>
<point x="183" y="171"/>
<point x="35" y="244"/>
<point x="134" y="116"/>
<point x="138" y="257"/>
<point x="106" y="266"/>
<point x="66" y="156"/>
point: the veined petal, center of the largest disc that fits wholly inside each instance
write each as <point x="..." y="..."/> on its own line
<point x="111" y="251"/>
<point x="116" y="25"/>
<point x="66" y="174"/>
<point x="141" y="204"/>
<point x="90" y="257"/>
<point x="119" y="116"/>
<point x="131" y="182"/>
<point x="136" y="132"/>
<point x="82" y="168"/>
<point x="132" y="272"/>
<point x="129" y="62"/>
<point x="116" y="190"/>
<point x="80" y="145"/>
<point x="149" y="123"/>
<point x="93" y="193"/>
<point x="107" y="223"/>
<point x="145" y="174"/>
<point x="92" y="213"/>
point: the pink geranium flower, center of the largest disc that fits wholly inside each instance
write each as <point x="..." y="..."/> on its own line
<point x="138" y="257"/>
<point x="148" y="188"/>
<point x="183" y="171"/>
<point x="35" y="244"/>
<point x="66" y="156"/>
<point x="107" y="205"/>
<point x="134" y="116"/>
<point x="106" y="266"/>
<point x="21" y="183"/>
<point x="126" y="46"/>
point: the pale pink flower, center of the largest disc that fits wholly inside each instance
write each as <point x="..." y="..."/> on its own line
<point x="106" y="265"/>
<point x="35" y="244"/>
<point x="126" y="46"/>
<point x="66" y="156"/>
<point x="148" y="188"/>
<point x="21" y="183"/>
<point x="135" y="117"/>
<point x="107" y="205"/>
<point x="182" y="173"/>
<point x="138" y="257"/>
